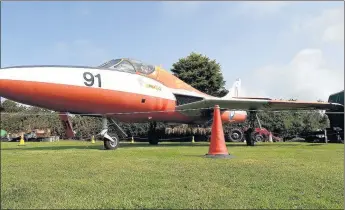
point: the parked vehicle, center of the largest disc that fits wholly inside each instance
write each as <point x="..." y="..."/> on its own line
<point x="335" y="133"/>
<point x="4" y="135"/>
<point x="259" y="135"/>
<point x="34" y="135"/>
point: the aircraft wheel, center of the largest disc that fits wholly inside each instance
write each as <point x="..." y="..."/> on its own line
<point x="153" y="138"/>
<point x="249" y="140"/>
<point x="109" y="145"/>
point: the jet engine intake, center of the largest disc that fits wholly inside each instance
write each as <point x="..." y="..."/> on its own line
<point x="234" y="116"/>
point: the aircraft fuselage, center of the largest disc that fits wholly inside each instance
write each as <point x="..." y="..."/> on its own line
<point x="131" y="97"/>
<point x="130" y="94"/>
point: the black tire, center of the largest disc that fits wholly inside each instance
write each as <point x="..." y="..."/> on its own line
<point x="340" y="139"/>
<point x="109" y="145"/>
<point x="153" y="138"/>
<point x="235" y="135"/>
<point x="249" y="140"/>
<point x="309" y="139"/>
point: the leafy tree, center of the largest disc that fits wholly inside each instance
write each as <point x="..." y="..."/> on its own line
<point x="11" y="106"/>
<point x="201" y="73"/>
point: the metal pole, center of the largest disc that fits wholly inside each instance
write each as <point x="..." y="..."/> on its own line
<point x="258" y="121"/>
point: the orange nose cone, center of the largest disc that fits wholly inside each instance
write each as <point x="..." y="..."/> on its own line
<point x="217" y="147"/>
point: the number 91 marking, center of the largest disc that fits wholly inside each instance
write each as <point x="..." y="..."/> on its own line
<point x="90" y="79"/>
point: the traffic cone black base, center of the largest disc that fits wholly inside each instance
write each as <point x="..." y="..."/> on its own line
<point x="224" y="156"/>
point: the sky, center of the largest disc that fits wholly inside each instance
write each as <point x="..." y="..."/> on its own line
<point x="278" y="49"/>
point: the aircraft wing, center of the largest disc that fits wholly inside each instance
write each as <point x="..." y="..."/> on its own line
<point x="251" y="104"/>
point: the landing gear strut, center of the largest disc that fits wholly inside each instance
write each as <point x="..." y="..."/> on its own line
<point x="250" y="131"/>
<point x="152" y="134"/>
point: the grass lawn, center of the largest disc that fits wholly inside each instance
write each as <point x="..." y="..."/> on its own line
<point x="71" y="174"/>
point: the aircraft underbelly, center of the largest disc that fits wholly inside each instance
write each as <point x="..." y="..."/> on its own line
<point x="88" y="100"/>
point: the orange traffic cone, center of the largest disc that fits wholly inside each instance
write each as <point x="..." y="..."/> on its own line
<point x="217" y="147"/>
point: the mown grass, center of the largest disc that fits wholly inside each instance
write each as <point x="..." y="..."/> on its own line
<point x="70" y="174"/>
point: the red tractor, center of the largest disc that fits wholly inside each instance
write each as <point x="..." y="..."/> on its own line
<point x="259" y="135"/>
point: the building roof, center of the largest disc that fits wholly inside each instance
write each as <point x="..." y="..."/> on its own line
<point x="337" y="93"/>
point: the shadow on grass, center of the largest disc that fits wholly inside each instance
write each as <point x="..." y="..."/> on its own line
<point x="125" y="145"/>
<point x="230" y="156"/>
<point x="55" y="147"/>
<point x="101" y="147"/>
<point x="316" y="144"/>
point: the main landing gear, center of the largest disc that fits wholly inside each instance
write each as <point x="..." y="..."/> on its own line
<point x="249" y="133"/>
<point x="152" y="134"/>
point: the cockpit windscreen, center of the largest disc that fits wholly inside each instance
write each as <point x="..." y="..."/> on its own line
<point x="110" y="63"/>
<point x="128" y="65"/>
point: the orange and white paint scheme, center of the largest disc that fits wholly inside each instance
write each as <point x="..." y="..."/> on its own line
<point x="129" y="91"/>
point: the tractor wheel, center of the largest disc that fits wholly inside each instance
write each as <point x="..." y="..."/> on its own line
<point x="235" y="135"/>
<point x="257" y="137"/>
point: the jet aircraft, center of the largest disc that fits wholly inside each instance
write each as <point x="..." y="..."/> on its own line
<point x="132" y="91"/>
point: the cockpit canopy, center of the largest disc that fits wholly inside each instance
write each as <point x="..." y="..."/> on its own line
<point x="128" y="65"/>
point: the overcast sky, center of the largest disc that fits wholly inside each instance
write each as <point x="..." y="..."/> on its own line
<point x="278" y="49"/>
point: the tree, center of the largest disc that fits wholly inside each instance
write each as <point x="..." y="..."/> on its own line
<point x="202" y="73"/>
<point x="11" y="106"/>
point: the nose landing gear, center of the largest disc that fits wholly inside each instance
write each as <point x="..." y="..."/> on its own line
<point x="111" y="142"/>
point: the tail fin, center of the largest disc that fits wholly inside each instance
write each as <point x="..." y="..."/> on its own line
<point x="234" y="91"/>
